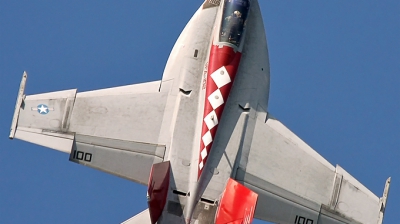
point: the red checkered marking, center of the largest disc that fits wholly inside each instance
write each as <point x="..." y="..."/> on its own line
<point x="222" y="69"/>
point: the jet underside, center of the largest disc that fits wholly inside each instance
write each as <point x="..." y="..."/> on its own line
<point x="201" y="138"/>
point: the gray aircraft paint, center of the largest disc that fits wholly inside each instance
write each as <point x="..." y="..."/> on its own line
<point x="124" y="130"/>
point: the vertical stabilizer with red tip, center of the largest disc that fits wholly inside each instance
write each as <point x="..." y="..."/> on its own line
<point x="237" y="204"/>
<point x="158" y="189"/>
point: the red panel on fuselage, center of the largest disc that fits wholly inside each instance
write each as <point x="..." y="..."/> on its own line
<point x="237" y="204"/>
<point x="223" y="65"/>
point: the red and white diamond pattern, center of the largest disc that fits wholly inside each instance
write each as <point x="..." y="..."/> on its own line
<point x="216" y="99"/>
<point x="222" y="68"/>
<point x="220" y="78"/>
<point x="211" y="120"/>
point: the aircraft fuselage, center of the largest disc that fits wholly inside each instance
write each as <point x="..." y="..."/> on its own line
<point x="216" y="72"/>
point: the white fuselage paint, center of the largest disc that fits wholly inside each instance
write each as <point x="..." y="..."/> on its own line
<point x="186" y="73"/>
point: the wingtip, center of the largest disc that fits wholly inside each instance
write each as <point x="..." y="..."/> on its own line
<point x="387" y="187"/>
<point x="383" y="201"/>
<point x="18" y="104"/>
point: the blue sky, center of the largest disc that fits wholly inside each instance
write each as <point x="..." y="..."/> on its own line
<point x="335" y="77"/>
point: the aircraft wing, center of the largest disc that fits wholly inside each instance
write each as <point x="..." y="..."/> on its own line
<point x="114" y="130"/>
<point x="297" y="185"/>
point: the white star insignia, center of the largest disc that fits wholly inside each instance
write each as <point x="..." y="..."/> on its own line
<point x="43" y="110"/>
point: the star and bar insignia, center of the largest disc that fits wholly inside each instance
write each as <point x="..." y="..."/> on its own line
<point x="42" y="109"/>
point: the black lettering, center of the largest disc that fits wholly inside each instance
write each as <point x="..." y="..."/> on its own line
<point x="303" y="220"/>
<point x="88" y="158"/>
<point x="79" y="155"/>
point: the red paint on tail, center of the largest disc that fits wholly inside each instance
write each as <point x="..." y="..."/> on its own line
<point x="237" y="205"/>
<point x="158" y="189"/>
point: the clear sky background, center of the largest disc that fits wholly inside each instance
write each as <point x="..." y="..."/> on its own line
<point x="335" y="81"/>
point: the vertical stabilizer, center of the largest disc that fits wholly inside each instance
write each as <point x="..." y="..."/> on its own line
<point x="237" y="204"/>
<point x="158" y="189"/>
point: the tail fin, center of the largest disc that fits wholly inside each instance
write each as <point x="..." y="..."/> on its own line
<point x="142" y="218"/>
<point x="237" y="204"/>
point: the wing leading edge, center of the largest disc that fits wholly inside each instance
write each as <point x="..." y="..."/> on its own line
<point x="115" y="130"/>
<point x="297" y="185"/>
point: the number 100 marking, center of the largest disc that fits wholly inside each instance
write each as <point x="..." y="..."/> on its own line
<point x="83" y="156"/>
<point x="303" y="220"/>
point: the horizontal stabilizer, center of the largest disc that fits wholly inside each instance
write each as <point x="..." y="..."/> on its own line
<point x="142" y="218"/>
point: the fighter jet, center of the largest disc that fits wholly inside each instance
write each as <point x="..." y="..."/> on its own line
<point x="201" y="138"/>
